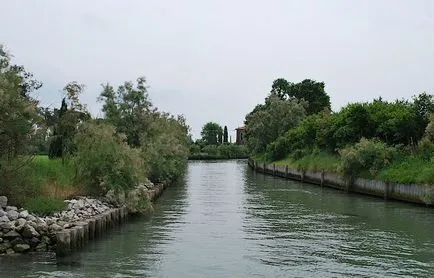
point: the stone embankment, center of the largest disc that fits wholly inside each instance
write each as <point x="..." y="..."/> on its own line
<point x="413" y="193"/>
<point x="83" y="219"/>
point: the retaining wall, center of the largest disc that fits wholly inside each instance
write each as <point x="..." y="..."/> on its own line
<point x="414" y="193"/>
<point x="74" y="238"/>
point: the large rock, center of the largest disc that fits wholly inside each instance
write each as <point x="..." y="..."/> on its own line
<point x="79" y="204"/>
<point x="6" y="226"/>
<point x="29" y="232"/>
<point x="2" y="212"/>
<point x="21" y="248"/>
<point x="19" y="224"/>
<point x="23" y="214"/>
<point x="4" y="218"/>
<point x="8" y="208"/>
<point x="31" y="218"/>
<point x="11" y="235"/>
<point x="5" y="246"/>
<point x="54" y="227"/>
<point x="12" y="214"/>
<point x="3" y="201"/>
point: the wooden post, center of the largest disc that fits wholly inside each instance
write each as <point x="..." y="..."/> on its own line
<point x="322" y="178"/>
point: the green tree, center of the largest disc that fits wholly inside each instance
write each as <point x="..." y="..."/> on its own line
<point x="18" y="110"/>
<point x="266" y="123"/>
<point x="225" y="134"/>
<point x="211" y="133"/>
<point x="71" y="114"/>
<point x="280" y="88"/>
<point x="106" y="164"/>
<point x="129" y="109"/>
<point x="19" y="122"/>
<point x="311" y="91"/>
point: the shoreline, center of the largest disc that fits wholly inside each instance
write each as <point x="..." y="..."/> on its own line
<point x="64" y="232"/>
<point x="422" y="194"/>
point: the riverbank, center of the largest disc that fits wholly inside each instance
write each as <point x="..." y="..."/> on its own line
<point x="68" y="230"/>
<point x="413" y="193"/>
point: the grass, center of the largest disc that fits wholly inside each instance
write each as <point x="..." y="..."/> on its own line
<point x="44" y="206"/>
<point x="404" y="170"/>
<point x="314" y="162"/>
<point x="42" y="184"/>
<point x="409" y="170"/>
<point x="55" y="179"/>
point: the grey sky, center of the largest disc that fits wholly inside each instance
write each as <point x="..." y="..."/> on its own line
<point x="215" y="60"/>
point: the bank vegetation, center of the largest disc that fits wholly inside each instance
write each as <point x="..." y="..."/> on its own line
<point x="386" y="140"/>
<point x="49" y="154"/>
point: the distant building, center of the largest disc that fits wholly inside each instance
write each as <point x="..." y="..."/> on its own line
<point x="240" y="135"/>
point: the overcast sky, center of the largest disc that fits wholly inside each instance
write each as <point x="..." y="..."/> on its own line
<point x="215" y="60"/>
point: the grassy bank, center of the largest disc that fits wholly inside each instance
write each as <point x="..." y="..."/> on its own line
<point x="403" y="170"/>
<point x="42" y="185"/>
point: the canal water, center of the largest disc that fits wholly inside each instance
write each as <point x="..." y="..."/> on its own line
<point x="226" y="221"/>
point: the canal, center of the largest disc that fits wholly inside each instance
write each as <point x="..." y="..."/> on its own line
<point x="226" y="221"/>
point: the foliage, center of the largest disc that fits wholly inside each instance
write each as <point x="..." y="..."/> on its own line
<point x="366" y="155"/>
<point x="194" y="149"/>
<point x="223" y="151"/>
<point x="212" y="133"/>
<point x="129" y="110"/>
<point x="210" y="150"/>
<point x="410" y="169"/>
<point x="429" y="131"/>
<point x="230" y="151"/>
<point x="105" y="164"/>
<point x="311" y="133"/>
<point x="313" y="161"/>
<point x="67" y="120"/>
<point x="311" y="91"/>
<point x="166" y="151"/>
<point x="44" y="206"/>
<point x="267" y="122"/>
<point x="162" y="139"/>
<point x="18" y="110"/>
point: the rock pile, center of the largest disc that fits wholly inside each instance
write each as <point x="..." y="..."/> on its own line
<point x="21" y="231"/>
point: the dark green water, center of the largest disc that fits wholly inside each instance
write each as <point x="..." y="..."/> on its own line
<point x="227" y="221"/>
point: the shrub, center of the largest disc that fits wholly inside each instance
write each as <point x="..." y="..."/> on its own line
<point x="104" y="161"/>
<point x="166" y="151"/>
<point x="194" y="149"/>
<point x="210" y="149"/>
<point x="232" y="151"/>
<point x="366" y="155"/>
<point x="44" y="206"/>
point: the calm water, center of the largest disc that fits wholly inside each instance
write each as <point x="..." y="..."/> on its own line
<point x="227" y="221"/>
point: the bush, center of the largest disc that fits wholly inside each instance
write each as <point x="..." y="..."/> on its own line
<point x="104" y="161"/>
<point x="44" y="206"/>
<point x="232" y="151"/>
<point x="194" y="149"/>
<point x="366" y="155"/>
<point x="210" y="149"/>
<point x="166" y="151"/>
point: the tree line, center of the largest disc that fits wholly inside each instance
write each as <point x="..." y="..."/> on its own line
<point x="215" y="144"/>
<point x="134" y="141"/>
<point x="296" y="121"/>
